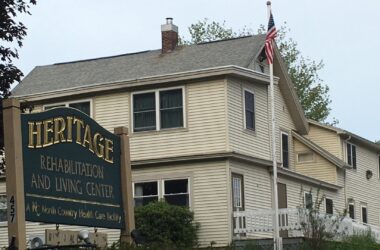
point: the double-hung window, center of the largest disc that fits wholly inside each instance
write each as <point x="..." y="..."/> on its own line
<point x="159" y="109"/>
<point x="237" y="192"/>
<point x="308" y="200"/>
<point x="249" y="110"/>
<point x="84" y="106"/>
<point x="145" y="192"/>
<point x="364" y="214"/>
<point x="351" y="210"/>
<point x="173" y="191"/>
<point x="351" y="155"/>
<point x="176" y="192"/>
<point x="329" y="206"/>
<point x="285" y="149"/>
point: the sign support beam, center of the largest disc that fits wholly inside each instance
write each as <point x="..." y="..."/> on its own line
<point x="126" y="186"/>
<point x="14" y="174"/>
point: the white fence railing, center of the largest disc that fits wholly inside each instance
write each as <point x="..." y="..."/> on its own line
<point x="295" y="220"/>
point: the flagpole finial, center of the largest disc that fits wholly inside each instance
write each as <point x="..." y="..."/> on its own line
<point x="269" y="3"/>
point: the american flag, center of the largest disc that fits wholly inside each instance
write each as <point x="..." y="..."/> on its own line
<point x="271" y="34"/>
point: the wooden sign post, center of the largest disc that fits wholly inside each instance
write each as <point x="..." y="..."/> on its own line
<point x="126" y="185"/>
<point x="14" y="173"/>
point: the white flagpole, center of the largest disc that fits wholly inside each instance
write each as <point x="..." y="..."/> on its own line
<point x="276" y="233"/>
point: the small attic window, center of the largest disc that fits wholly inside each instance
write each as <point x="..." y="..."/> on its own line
<point x="305" y="157"/>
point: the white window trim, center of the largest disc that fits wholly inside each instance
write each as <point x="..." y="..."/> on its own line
<point x="241" y="190"/>
<point x="353" y="204"/>
<point x="157" y="108"/>
<point x="304" y="197"/>
<point x="66" y="104"/>
<point x="158" y="190"/>
<point x="254" y="110"/>
<point x="326" y="204"/>
<point x="161" y="186"/>
<point x="346" y="155"/>
<point x="361" y="212"/>
<point x="172" y="179"/>
<point x="282" y="160"/>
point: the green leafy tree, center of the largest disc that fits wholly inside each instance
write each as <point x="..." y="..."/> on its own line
<point x="12" y="34"/>
<point x="312" y="92"/>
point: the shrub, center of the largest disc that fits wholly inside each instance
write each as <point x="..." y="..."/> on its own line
<point x="164" y="224"/>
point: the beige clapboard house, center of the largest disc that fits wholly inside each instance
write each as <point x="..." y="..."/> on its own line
<point x="362" y="178"/>
<point x="199" y="124"/>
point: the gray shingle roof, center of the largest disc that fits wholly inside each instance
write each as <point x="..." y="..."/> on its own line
<point x="237" y="52"/>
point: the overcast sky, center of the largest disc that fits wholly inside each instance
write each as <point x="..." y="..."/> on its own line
<point x="344" y="33"/>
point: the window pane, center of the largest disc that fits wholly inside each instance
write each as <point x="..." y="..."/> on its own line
<point x="171" y="98"/>
<point x="285" y="150"/>
<point x="178" y="199"/>
<point x="144" y="102"/>
<point x="176" y="186"/>
<point x="146" y="188"/>
<point x="236" y="186"/>
<point x="145" y="192"/>
<point x="172" y="118"/>
<point x="3" y="208"/>
<point x="249" y="120"/>
<point x="144" y="113"/>
<point x="171" y="108"/>
<point x="145" y="200"/>
<point x="349" y="155"/>
<point x="82" y="106"/>
<point x="351" y="211"/>
<point x="364" y="215"/>
<point x="249" y="103"/>
<point x="176" y="192"/>
<point x="329" y="206"/>
<point x="308" y="200"/>
<point x="353" y="156"/>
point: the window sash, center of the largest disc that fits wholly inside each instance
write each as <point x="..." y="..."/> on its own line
<point x="164" y="109"/>
<point x="285" y="149"/>
<point x="351" y="155"/>
<point x="308" y="200"/>
<point x="142" y="199"/>
<point x="329" y="206"/>
<point x="249" y="110"/>
<point x="364" y="214"/>
<point x="237" y="191"/>
<point x="351" y="211"/>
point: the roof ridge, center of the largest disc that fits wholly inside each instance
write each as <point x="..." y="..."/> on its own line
<point x="228" y="39"/>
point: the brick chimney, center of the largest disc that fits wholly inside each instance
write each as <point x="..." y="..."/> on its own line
<point x="169" y="33"/>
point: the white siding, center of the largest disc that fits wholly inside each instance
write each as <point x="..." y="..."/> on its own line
<point x="205" y="132"/>
<point x="257" y="143"/>
<point x="240" y="139"/>
<point x="257" y="189"/>
<point x="208" y="196"/>
<point x="112" y="111"/>
<point x="364" y="191"/>
<point x="327" y="139"/>
<point x="318" y="168"/>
